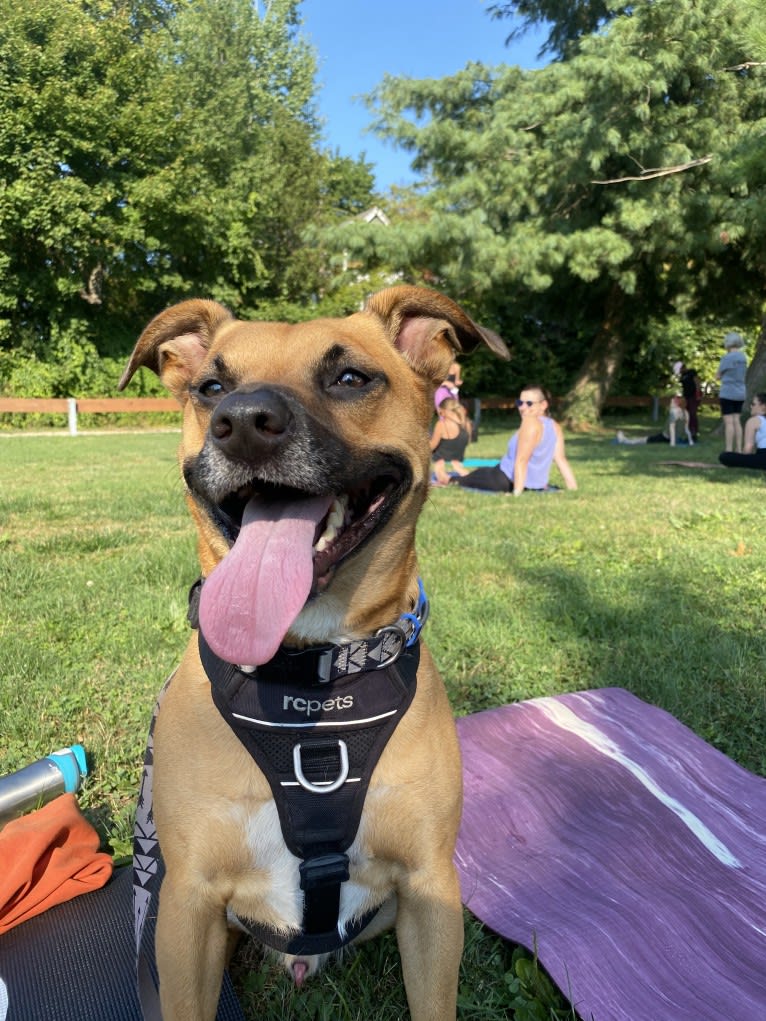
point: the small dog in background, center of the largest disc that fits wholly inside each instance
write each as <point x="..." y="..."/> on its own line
<point x="305" y="454"/>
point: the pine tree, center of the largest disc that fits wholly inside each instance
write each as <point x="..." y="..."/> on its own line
<point x="594" y="195"/>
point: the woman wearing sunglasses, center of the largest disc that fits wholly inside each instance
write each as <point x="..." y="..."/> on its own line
<point x="538" y="443"/>
<point x="754" y="448"/>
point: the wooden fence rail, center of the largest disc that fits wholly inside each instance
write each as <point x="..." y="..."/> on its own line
<point x="644" y="401"/>
<point x="72" y="407"/>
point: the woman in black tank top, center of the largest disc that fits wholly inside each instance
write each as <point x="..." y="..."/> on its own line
<point x="449" y="439"/>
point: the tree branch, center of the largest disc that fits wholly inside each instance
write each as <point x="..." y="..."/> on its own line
<point x="648" y="175"/>
<point x="92" y="294"/>
<point x="746" y="66"/>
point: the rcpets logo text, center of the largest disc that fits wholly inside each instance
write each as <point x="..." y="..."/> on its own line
<point x="309" y="706"/>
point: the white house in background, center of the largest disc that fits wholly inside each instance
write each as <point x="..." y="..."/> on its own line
<point x="373" y="215"/>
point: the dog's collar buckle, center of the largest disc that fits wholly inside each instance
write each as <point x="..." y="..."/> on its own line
<point x="395" y="648"/>
<point x="378" y="652"/>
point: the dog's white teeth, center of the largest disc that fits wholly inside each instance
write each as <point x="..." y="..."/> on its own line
<point x="338" y="511"/>
<point x="334" y="522"/>
<point x="321" y="546"/>
<point x="326" y="538"/>
<point x="247" y="669"/>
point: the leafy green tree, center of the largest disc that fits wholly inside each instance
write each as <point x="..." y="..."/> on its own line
<point x="224" y="201"/>
<point x="745" y="175"/>
<point x="589" y="196"/>
<point x="67" y="100"/>
<point x="150" y="151"/>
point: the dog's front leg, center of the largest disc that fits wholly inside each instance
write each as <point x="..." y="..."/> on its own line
<point x="191" y="945"/>
<point x="429" y="931"/>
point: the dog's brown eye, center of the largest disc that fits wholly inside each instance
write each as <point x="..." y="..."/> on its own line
<point x="352" y="378"/>
<point x="210" y="388"/>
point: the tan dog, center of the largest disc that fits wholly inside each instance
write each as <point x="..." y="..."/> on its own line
<point x="306" y="460"/>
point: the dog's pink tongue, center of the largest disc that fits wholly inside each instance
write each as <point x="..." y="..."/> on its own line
<point x="253" y="596"/>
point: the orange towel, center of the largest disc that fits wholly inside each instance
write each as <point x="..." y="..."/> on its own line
<point x="48" y="857"/>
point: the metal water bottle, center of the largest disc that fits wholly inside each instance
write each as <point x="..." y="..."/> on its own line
<point x="42" y="781"/>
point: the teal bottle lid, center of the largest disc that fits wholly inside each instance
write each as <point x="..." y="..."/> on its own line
<point x="73" y="765"/>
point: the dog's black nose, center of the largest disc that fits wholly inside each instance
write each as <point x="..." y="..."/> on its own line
<point x="248" y="426"/>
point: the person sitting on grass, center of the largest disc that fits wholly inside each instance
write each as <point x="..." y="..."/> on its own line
<point x="754" y="443"/>
<point x="537" y="444"/>
<point x="449" y="439"/>
<point x="678" y="418"/>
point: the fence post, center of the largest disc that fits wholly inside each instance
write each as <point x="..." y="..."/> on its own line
<point x="72" y="415"/>
<point x="655" y="408"/>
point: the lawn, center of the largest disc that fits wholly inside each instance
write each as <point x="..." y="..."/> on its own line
<point x="650" y="577"/>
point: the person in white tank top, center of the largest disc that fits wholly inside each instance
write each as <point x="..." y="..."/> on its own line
<point x="678" y="419"/>
<point x="754" y="442"/>
<point x="533" y="448"/>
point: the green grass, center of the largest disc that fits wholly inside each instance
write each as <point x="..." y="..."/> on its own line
<point x="648" y="577"/>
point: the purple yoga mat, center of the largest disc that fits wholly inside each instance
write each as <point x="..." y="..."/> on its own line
<point x="629" y="852"/>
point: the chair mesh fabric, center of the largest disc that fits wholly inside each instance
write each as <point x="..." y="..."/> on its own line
<point x="77" y="961"/>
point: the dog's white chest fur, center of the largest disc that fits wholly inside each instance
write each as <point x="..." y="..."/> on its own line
<point x="281" y="895"/>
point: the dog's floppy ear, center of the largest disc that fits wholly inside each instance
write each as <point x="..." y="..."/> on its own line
<point x="175" y="343"/>
<point x="427" y="327"/>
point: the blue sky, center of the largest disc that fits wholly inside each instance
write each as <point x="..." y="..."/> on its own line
<point x="359" y="41"/>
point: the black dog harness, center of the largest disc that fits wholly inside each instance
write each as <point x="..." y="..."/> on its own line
<point x="316" y="722"/>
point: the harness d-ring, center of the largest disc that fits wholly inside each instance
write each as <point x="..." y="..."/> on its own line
<point x="323" y="788"/>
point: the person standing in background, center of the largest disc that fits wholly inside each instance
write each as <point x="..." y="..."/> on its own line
<point x="731" y="373"/>
<point x="450" y="387"/>
<point x="691" y="388"/>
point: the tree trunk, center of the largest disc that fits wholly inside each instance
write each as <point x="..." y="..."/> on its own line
<point x="756" y="371"/>
<point x="585" y="399"/>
